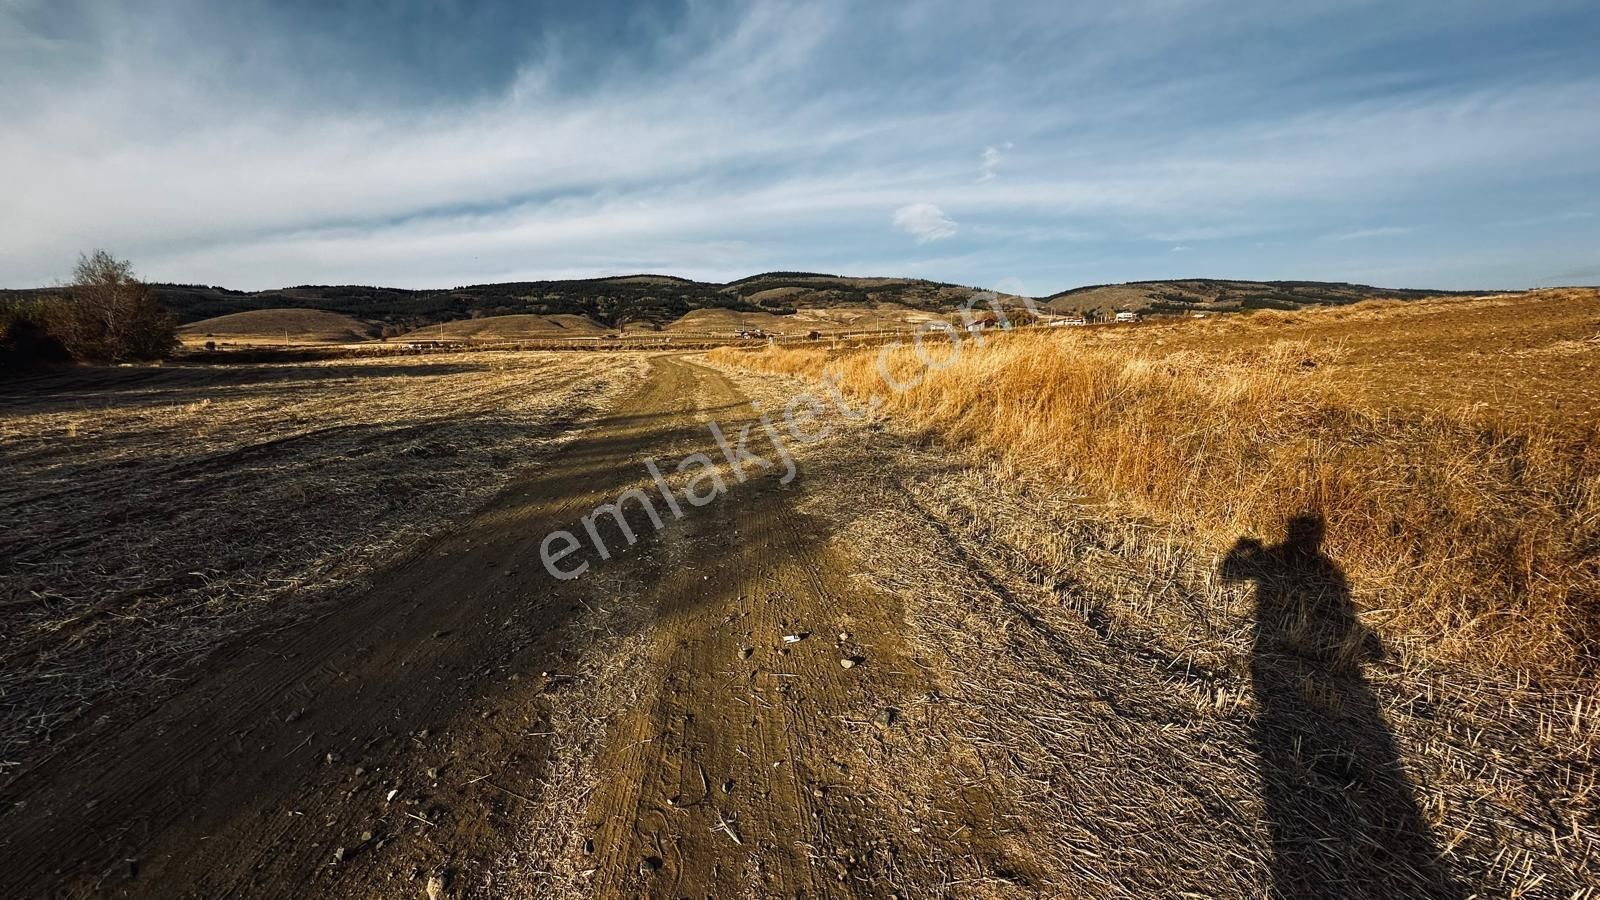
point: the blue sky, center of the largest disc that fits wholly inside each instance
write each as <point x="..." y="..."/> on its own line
<point x="1027" y="146"/>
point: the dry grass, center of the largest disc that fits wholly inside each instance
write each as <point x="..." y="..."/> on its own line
<point x="150" y="513"/>
<point x="1097" y="696"/>
<point x="279" y="326"/>
<point x="1144" y="724"/>
<point x="1465" y="536"/>
<point x="1519" y="361"/>
<point x="509" y="328"/>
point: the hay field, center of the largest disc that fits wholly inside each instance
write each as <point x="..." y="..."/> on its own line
<point x="716" y="320"/>
<point x="152" y="512"/>
<point x="279" y="327"/>
<point x="1527" y="359"/>
<point x="510" y="328"/>
<point x="1461" y="494"/>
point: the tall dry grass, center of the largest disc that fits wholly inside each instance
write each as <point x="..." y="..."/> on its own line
<point x="1474" y="542"/>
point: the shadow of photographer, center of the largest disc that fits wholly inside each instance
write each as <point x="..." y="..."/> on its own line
<point x="1340" y="810"/>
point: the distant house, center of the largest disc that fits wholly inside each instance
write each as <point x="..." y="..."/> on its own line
<point x="1068" y="322"/>
<point x="1127" y="317"/>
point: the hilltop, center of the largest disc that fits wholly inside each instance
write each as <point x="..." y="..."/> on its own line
<point x="273" y="325"/>
<point x="654" y="301"/>
<point x="1214" y="295"/>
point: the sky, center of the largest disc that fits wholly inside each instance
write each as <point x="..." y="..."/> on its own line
<point x="1028" y="146"/>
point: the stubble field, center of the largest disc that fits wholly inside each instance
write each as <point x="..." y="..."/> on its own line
<point x="1216" y="607"/>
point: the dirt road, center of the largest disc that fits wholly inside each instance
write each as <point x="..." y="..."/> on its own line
<point x="680" y="721"/>
<point x="400" y="737"/>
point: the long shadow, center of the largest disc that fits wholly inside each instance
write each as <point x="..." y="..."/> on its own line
<point x="1342" y="816"/>
<point x="110" y="386"/>
<point x="232" y="781"/>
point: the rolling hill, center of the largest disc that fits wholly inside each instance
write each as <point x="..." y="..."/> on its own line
<point x="509" y="328"/>
<point x="280" y="326"/>
<point x="1205" y="294"/>
<point x="651" y="302"/>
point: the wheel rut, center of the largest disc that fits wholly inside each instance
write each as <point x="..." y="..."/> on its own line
<point x="404" y="735"/>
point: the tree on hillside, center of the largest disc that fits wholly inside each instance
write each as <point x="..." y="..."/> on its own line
<point x="108" y="315"/>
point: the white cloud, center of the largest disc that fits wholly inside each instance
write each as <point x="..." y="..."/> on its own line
<point x="925" y="222"/>
<point x="1180" y="249"/>
<point x="734" y="155"/>
<point x="989" y="163"/>
<point x="1367" y="233"/>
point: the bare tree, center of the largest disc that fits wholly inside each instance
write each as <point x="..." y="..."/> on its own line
<point x="108" y="315"/>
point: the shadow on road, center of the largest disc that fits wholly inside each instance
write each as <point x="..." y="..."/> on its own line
<point x="115" y="387"/>
<point x="1340" y="809"/>
<point x="387" y="713"/>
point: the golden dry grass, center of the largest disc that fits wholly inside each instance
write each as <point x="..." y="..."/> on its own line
<point x="279" y="326"/>
<point x="714" y="319"/>
<point x="1519" y="360"/>
<point x="1467" y="535"/>
<point x="509" y="328"/>
<point x="1099" y="688"/>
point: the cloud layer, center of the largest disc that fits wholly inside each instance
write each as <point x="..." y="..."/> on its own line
<point x="247" y="147"/>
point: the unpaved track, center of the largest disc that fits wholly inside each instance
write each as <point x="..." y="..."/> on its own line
<point x="401" y="735"/>
<point x="468" y="718"/>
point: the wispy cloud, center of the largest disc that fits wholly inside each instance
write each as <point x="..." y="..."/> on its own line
<point x="724" y="140"/>
<point x="925" y="222"/>
<point x="1381" y="231"/>
<point x="989" y="163"/>
<point x="1577" y="215"/>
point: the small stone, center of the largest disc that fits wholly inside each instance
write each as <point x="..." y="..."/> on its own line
<point x="747" y="652"/>
<point x="338" y="855"/>
<point x="366" y="836"/>
<point x="650" y="865"/>
<point x="844" y="636"/>
<point x="436" y="887"/>
<point x="727" y="786"/>
<point x="887" y="717"/>
<point x="433" y="773"/>
<point x="848" y="663"/>
<point x="796" y="637"/>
